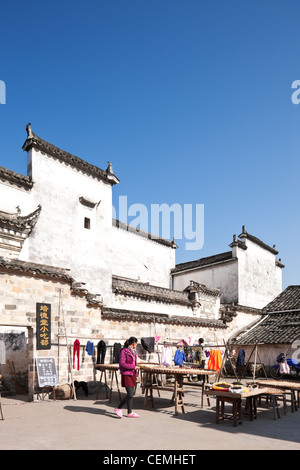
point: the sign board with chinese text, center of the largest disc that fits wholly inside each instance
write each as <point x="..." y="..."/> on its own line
<point x="43" y="326"/>
<point x="46" y="370"/>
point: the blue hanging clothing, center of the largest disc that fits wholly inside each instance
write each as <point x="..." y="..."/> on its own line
<point x="90" y="348"/>
<point x="179" y="358"/>
<point x="241" y="358"/>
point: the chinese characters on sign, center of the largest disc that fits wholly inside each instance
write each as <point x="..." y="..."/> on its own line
<point x="46" y="370"/>
<point x="43" y="327"/>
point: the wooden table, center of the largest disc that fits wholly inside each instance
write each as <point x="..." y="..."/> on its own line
<point x="235" y="399"/>
<point x="287" y="386"/>
<point x="177" y="388"/>
<point x="114" y="369"/>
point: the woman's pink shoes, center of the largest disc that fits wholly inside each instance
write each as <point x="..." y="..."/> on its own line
<point x="119" y="413"/>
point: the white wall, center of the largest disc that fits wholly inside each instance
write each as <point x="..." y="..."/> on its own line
<point x="141" y="259"/>
<point x="223" y="276"/>
<point x="12" y="196"/>
<point x="59" y="238"/>
<point x="260" y="280"/>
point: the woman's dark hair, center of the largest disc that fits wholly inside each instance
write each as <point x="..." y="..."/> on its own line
<point x="130" y="341"/>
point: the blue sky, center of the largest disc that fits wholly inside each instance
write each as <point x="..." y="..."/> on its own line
<point x="190" y="101"/>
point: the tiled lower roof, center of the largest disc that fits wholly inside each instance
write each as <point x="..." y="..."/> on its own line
<point x="146" y="291"/>
<point x="273" y="328"/>
<point x="139" y="316"/>
<point x="34" y="269"/>
<point x="15" y="178"/>
<point x="199" y="263"/>
<point x="289" y="299"/>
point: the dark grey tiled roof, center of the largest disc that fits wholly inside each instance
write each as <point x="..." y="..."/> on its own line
<point x="34" y="269"/>
<point x="128" y="315"/>
<point x="203" y="262"/>
<point x="275" y="328"/>
<point x="35" y="141"/>
<point x="15" y="178"/>
<point x="203" y="289"/>
<point x="149" y="292"/>
<point x="289" y="299"/>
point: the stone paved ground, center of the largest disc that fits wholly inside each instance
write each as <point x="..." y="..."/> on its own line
<point x="86" y="424"/>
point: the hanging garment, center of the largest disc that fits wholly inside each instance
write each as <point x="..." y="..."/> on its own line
<point x="241" y="358"/>
<point x="215" y="360"/>
<point x="116" y="353"/>
<point x="198" y="355"/>
<point x="284" y="367"/>
<point x="76" y="352"/>
<point x="188" y="351"/>
<point x="101" y="352"/>
<point x="156" y="338"/>
<point x="166" y="356"/>
<point x="179" y="357"/>
<point x="148" y="344"/>
<point x="90" y="348"/>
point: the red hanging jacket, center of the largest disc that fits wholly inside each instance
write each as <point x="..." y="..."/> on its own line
<point x="76" y="351"/>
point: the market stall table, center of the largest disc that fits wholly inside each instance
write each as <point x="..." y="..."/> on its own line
<point x="104" y="368"/>
<point x="235" y="399"/>
<point x="288" y="386"/>
<point x="113" y="368"/>
<point x="177" y="388"/>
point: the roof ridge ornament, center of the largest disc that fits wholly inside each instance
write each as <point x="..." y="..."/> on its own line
<point x="29" y="131"/>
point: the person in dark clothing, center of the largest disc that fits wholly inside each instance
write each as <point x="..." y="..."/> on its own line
<point x="128" y="376"/>
<point x="200" y="357"/>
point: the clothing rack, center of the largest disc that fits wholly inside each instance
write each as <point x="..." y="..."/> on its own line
<point x="165" y="343"/>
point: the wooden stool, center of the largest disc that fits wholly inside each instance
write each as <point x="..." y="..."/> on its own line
<point x="251" y="404"/>
<point x="236" y="409"/>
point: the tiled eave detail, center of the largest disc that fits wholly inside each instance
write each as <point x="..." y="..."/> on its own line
<point x="24" y="268"/>
<point x="229" y="311"/>
<point x="138" y="316"/>
<point x="16" y="179"/>
<point x="202" y="289"/>
<point x="17" y="223"/>
<point x="34" y="141"/>
<point x="257" y="241"/>
<point x="148" y="292"/>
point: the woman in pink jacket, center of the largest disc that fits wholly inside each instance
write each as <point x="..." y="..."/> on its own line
<point x="127" y="362"/>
